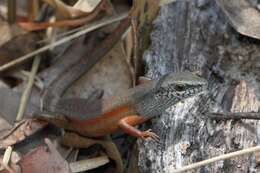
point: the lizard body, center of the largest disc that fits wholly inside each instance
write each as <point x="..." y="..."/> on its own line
<point x="135" y="106"/>
<point x="104" y="116"/>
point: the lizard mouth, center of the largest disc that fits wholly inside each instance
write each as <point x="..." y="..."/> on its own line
<point x="189" y="90"/>
<point x="198" y="89"/>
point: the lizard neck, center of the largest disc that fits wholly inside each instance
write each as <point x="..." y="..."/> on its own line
<point x="151" y="105"/>
<point x="159" y="99"/>
<point x="167" y="91"/>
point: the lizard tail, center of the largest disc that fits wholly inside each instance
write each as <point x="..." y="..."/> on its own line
<point x="58" y="87"/>
<point x="49" y="101"/>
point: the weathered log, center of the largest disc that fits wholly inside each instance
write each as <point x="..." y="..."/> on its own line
<point x="196" y="36"/>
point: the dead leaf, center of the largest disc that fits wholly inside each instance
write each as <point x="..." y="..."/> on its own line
<point x="86" y="5"/>
<point x="84" y="142"/>
<point x="4" y="125"/>
<point x="7" y="32"/>
<point x="104" y="76"/>
<point x="20" y="131"/>
<point x="32" y="9"/>
<point x="71" y="55"/>
<point x="81" y="8"/>
<point x="18" y="46"/>
<point x="15" y="157"/>
<point x="130" y="51"/>
<point x="21" y="8"/>
<point x="7" y="168"/>
<point x="143" y="80"/>
<point x="9" y="103"/>
<point x="42" y="160"/>
<point x="165" y="2"/>
<point x="64" y="11"/>
<point x="242" y="15"/>
<point x="88" y="164"/>
<point x="70" y="20"/>
<point x="133" y="161"/>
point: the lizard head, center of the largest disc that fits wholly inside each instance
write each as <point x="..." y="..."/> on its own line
<point x="180" y="85"/>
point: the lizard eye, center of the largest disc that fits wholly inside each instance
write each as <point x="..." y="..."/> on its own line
<point x="179" y="87"/>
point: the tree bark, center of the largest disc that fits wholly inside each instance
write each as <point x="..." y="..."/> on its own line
<point x="196" y="36"/>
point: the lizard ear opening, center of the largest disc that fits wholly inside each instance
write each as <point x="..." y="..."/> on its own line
<point x="143" y="80"/>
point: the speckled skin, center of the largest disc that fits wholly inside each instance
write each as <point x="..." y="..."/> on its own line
<point x="135" y="106"/>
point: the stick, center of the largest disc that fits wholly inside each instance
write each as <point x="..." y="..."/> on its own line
<point x="7" y="155"/>
<point x="34" y="26"/>
<point x="6" y="166"/>
<point x="6" y="158"/>
<point x="88" y="164"/>
<point x="218" y="158"/>
<point x="27" y="91"/>
<point x="89" y="28"/>
<point x="235" y="115"/>
<point x="11" y="11"/>
<point x="165" y="2"/>
<point x="33" y="9"/>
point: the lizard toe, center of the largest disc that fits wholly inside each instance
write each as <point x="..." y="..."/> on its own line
<point x="149" y="134"/>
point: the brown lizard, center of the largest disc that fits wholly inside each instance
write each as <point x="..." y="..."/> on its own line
<point x="56" y="89"/>
<point x="104" y="116"/>
<point x="135" y="106"/>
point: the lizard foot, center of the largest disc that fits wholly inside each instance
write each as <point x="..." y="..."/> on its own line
<point x="149" y="134"/>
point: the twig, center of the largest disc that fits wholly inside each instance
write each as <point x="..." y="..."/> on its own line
<point x="87" y="29"/>
<point x="6" y="158"/>
<point x="218" y="158"/>
<point x="111" y="149"/>
<point x="88" y="164"/>
<point x="63" y="34"/>
<point x="234" y="115"/>
<point x="34" y="26"/>
<point x="67" y="153"/>
<point x="33" y="9"/>
<point x="15" y="127"/>
<point x="112" y="152"/>
<point x="27" y="91"/>
<point x="11" y="11"/>
<point x="7" y="155"/>
<point x="6" y="166"/>
<point x="165" y="2"/>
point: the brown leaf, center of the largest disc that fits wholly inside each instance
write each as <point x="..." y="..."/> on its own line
<point x="7" y="32"/>
<point x="86" y="5"/>
<point x="64" y="11"/>
<point x="20" y="131"/>
<point x="81" y="8"/>
<point x="9" y="103"/>
<point x="70" y="20"/>
<point x="104" y="76"/>
<point x="88" y="164"/>
<point x="18" y="46"/>
<point x="41" y="160"/>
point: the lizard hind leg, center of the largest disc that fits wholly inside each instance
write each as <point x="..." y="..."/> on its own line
<point x="127" y="125"/>
<point x="85" y="142"/>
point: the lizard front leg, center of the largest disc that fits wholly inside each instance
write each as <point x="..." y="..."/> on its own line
<point x="127" y="125"/>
